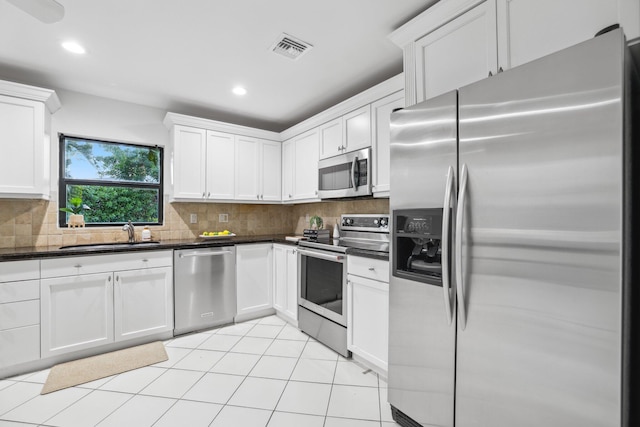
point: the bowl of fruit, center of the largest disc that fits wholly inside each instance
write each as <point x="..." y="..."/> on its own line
<point x="216" y="234"/>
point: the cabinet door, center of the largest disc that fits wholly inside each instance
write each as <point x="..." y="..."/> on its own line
<point x="247" y="168"/>
<point x="357" y="129"/>
<point x="189" y="169"/>
<point x="76" y="313"/>
<point x="143" y="302"/>
<point x="25" y="171"/>
<point x="306" y="166"/>
<point x="291" y="308"/>
<point x="331" y="143"/>
<point x="254" y="277"/>
<point x="381" y="112"/>
<point x="458" y="53"/>
<point x="368" y="320"/>
<point x="288" y="171"/>
<point x="271" y="171"/>
<point x="220" y="166"/>
<point x="531" y="29"/>
<point x="280" y="277"/>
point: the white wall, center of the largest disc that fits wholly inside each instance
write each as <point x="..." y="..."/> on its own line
<point x="102" y="118"/>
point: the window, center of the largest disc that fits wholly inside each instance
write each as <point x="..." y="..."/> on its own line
<point x="110" y="183"/>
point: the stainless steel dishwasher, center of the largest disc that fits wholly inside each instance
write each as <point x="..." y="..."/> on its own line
<point x="204" y="288"/>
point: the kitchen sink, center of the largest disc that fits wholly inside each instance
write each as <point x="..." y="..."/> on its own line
<point x="115" y="245"/>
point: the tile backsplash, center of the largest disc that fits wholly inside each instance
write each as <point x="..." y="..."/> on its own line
<point x="25" y="223"/>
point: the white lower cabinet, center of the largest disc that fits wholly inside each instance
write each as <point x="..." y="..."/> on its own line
<point x="254" y="276"/>
<point x="19" y="312"/>
<point x="143" y="302"/>
<point x="285" y="281"/>
<point x="111" y="298"/>
<point x="368" y="311"/>
<point x="77" y="313"/>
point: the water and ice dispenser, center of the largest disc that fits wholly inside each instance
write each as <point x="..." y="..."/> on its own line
<point x="417" y="245"/>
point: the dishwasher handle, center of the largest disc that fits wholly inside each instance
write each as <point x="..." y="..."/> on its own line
<point x="199" y="254"/>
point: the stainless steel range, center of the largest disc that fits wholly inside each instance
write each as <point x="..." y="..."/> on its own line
<point x="322" y="280"/>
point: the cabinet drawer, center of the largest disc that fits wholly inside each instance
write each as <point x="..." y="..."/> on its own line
<point x="375" y="269"/>
<point x="57" y="267"/>
<point x="19" y="270"/>
<point x="19" y="314"/>
<point x="19" y="291"/>
<point x="19" y="345"/>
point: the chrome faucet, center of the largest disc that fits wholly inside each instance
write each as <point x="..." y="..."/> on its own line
<point x="129" y="227"/>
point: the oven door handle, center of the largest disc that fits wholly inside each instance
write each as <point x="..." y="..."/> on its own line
<point x="328" y="257"/>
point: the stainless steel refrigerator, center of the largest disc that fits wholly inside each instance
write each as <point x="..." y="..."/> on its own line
<point x="511" y="297"/>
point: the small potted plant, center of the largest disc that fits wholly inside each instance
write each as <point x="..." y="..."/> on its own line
<point x="75" y="207"/>
<point x="315" y="222"/>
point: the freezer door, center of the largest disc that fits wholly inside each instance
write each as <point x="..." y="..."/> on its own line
<point x="540" y="344"/>
<point x="421" y="339"/>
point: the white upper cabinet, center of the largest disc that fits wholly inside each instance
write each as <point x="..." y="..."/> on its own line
<point x="331" y="138"/>
<point x="530" y="29"/>
<point x="247" y="168"/>
<point x="229" y="164"/>
<point x="458" y="42"/>
<point x="350" y="132"/>
<point x="220" y="166"/>
<point x="458" y="53"/>
<point x="258" y="169"/>
<point x="25" y="138"/>
<point x="381" y="111"/>
<point x="300" y="167"/>
<point x="271" y="171"/>
<point x="189" y="163"/>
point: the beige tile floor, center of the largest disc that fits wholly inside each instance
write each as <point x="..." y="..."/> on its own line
<point x="258" y="373"/>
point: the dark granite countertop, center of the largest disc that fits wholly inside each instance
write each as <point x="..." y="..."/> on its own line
<point x="17" y="254"/>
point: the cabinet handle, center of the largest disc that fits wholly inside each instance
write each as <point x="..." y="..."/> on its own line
<point x="490" y="74"/>
<point x="77" y="266"/>
<point x="500" y="70"/>
<point x="262" y="196"/>
<point x="372" y="269"/>
<point x="289" y="195"/>
<point x="145" y="260"/>
<point x="208" y="194"/>
<point x="339" y="148"/>
<point x="203" y="196"/>
<point x="109" y="279"/>
<point x="258" y="196"/>
<point x="117" y="278"/>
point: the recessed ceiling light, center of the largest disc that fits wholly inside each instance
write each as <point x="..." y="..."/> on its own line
<point x="239" y="90"/>
<point x="73" y="47"/>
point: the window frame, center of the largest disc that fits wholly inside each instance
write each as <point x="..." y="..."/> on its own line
<point x="63" y="182"/>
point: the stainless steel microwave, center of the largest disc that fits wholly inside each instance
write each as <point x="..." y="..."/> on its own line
<point x="346" y="175"/>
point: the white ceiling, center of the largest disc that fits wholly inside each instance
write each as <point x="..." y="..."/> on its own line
<point x="185" y="56"/>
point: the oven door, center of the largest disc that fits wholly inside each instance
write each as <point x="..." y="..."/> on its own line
<point x="346" y="175"/>
<point x="322" y="282"/>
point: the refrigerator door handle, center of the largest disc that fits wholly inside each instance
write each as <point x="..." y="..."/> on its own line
<point x="446" y="278"/>
<point x="459" y="216"/>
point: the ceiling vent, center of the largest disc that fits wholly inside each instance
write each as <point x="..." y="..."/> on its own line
<point x="290" y="47"/>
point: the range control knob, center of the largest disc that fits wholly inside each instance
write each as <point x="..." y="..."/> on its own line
<point x="376" y="221"/>
<point x="384" y="222"/>
<point x="347" y="221"/>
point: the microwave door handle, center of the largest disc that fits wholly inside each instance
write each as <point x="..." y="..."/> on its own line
<point x="353" y="173"/>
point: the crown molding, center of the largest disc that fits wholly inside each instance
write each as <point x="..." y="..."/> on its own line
<point x="19" y="90"/>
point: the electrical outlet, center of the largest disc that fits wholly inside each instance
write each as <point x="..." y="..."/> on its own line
<point x="223" y="218"/>
<point x="193" y="219"/>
